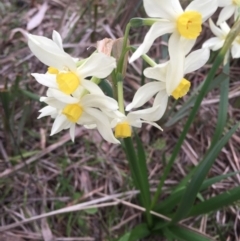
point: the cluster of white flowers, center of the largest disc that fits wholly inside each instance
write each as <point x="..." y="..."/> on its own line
<point x="73" y="99"/>
<point x="217" y="42"/>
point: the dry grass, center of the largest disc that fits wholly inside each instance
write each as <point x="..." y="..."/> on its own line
<point x="40" y="174"/>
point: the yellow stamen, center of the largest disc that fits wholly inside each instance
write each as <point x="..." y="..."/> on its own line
<point x="189" y="24"/>
<point x="123" y="130"/>
<point x="73" y="112"/>
<point x="182" y="89"/>
<point x="52" y="70"/>
<point x="68" y="82"/>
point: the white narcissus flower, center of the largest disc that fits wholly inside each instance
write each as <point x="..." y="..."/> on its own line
<point x="170" y="76"/>
<point x="63" y="73"/>
<point x="123" y="123"/>
<point x="187" y="24"/>
<point x="217" y="42"/>
<point x="80" y="108"/>
<point x="230" y="8"/>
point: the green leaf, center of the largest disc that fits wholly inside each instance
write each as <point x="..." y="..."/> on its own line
<point x="142" y="170"/>
<point x="139" y="173"/>
<point x="91" y="211"/>
<point x="24" y="118"/>
<point x="185" y="234"/>
<point x="215" y="203"/>
<point x="125" y="237"/>
<point x="132" y="158"/>
<point x="106" y="87"/>
<point x="139" y="232"/>
<point x="223" y="106"/>
<point x="30" y="95"/>
<point x="169" y="203"/>
<point x="199" y="175"/>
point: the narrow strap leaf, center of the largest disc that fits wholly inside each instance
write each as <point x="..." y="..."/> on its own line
<point x="198" y="177"/>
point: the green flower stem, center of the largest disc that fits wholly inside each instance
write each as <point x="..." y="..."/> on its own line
<point x="147" y="59"/>
<point x="138" y="22"/>
<point x="220" y="57"/>
<point x="118" y="75"/>
<point x="120" y="93"/>
<point x="94" y="80"/>
<point x="122" y="56"/>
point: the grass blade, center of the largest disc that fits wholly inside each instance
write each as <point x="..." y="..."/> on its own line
<point x="223" y="106"/>
<point x="139" y="232"/>
<point x="142" y="170"/>
<point x="139" y="172"/>
<point x="225" y="199"/>
<point x="169" y="203"/>
<point x="199" y="175"/>
<point x="184" y="234"/>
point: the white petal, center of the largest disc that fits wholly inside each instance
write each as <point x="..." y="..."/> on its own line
<point x="162" y="9"/>
<point x="213" y="43"/>
<point x="226" y="13"/>
<point x="225" y="28"/>
<point x="63" y="97"/>
<point x="157" y="72"/>
<point x="187" y="44"/>
<point x="72" y="131"/>
<point x="223" y="3"/>
<point x="59" y="124"/>
<point x="177" y="6"/>
<point x="53" y="102"/>
<point x="100" y="102"/>
<point x="48" y="80"/>
<point x="216" y="31"/>
<point x="91" y="126"/>
<point x="49" y="53"/>
<point x="98" y="65"/>
<point x="145" y="93"/>
<point x="86" y="119"/>
<point x="235" y="50"/>
<point x="196" y="60"/>
<point x="57" y="39"/>
<point x="175" y="69"/>
<point x="161" y="100"/>
<point x="154" y="113"/>
<point x="91" y="87"/>
<point x="116" y="117"/>
<point x="158" y="29"/>
<point x="47" y="110"/>
<point x="153" y="124"/>
<point x="79" y="92"/>
<point x="103" y="125"/>
<point x="205" y="7"/>
<point x="218" y="45"/>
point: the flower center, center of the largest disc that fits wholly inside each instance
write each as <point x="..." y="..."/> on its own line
<point x="68" y="82"/>
<point x="52" y="70"/>
<point x="189" y="24"/>
<point x="236" y="2"/>
<point x="123" y="130"/>
<point x="73" y="112"/>
<point x="182" y="89"/>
